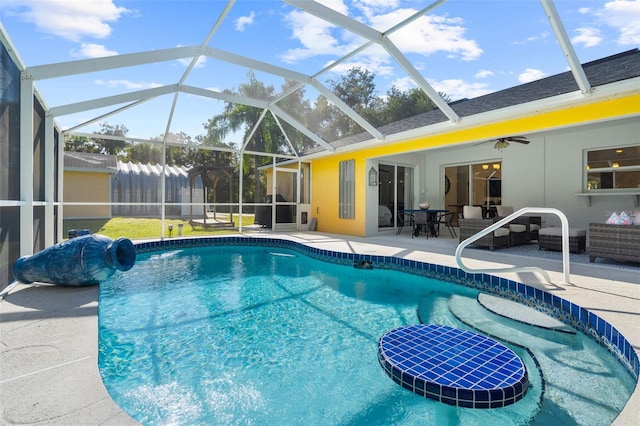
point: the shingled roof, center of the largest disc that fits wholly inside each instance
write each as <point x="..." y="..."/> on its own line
<point x="90" y="162"/>
<point x="622" y="66"/>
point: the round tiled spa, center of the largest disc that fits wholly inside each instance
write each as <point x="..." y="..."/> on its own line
<point x="457" y="367"/>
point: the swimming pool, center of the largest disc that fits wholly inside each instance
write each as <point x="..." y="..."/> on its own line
<point x="255" y="332"/>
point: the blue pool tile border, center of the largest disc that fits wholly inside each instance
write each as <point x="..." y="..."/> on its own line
<point x="569" y="313"/>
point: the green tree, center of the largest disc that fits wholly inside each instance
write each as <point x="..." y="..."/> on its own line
<point x="80" y="144"/>
<point x="143" y="153"/>
<point x="111" y="146"/>
<point x="357" y="89"/>
<point x="404" y="104"/>
<point x="243" y="118"/>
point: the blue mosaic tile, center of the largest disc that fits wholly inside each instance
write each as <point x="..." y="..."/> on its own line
<point x="452" y="365"/>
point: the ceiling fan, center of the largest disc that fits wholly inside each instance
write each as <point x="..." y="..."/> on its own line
<point x="502" y="143"/>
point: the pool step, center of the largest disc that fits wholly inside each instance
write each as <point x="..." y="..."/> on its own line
<point x="521" y="313"/>
<point x="473" y="314"/>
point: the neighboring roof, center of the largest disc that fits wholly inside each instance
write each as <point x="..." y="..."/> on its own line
<point x="151" y="169"/>
<point x="82" y="161"/>
<point x="622" y="66"/>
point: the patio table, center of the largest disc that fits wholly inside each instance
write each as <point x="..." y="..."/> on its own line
<point x="431" y="218"/>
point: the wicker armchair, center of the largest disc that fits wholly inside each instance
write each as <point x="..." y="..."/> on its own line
<point x="524" y="229"/>
<point x="471" y="225"/>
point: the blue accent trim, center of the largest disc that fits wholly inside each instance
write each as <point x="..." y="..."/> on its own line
<point x="571" y="314"/>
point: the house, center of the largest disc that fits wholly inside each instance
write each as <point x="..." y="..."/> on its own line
<point x="583" y="157"/>
<point x="87" y="179"/>
<point x="133" y="187"/>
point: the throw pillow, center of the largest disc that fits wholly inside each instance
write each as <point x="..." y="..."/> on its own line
<point x="624" y="218"/>
<point x="621" y="218"/>
<point x="614" y="219"/>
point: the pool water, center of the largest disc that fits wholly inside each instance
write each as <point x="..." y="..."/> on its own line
<point x="251" y="335"/>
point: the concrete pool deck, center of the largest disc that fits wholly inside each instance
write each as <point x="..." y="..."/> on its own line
<point x="48" y="334"/>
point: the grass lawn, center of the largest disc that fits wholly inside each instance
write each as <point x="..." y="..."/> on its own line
<point x="140" y="228"/>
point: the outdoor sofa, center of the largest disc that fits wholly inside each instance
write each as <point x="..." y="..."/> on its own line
<point x="618" y="242"/>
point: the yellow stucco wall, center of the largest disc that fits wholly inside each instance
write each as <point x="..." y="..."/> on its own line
<point x="86" y="187"/>
<point x="324" y="194"/>
<point x="325" y="170"/>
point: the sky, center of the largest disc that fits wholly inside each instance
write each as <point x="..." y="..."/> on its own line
<point x="462" y="48"/>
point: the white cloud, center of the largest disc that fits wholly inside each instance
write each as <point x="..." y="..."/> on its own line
<point x="540" y="36"/>
<point x="315" y="35"/>
<point x="530" y="74"/>
<point x="404" y="83"/>
<point x="429" y="34"/>
<point x="187" y="61"/>
<point x="91" y="50"/>
<point x="370" y="8"/>
<point x="199" y="63"/>
<point x="337" y="5"/>
<point x="127" y="84"/>
<point x="378" y="4"/>
<point x="70" y="19"/>
<point x="242" y="22"/>
<point x="377" y="65"/>
<point x="587" y="37"/>
<point x="425" y="36"/>
<point x="624" y="15"/>
<point x="459" y="89"/>
<point x="483" y="74"/>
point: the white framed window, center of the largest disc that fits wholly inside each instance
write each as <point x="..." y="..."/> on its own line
<point x="613" y="168"/>
<point x="347" y="191"/>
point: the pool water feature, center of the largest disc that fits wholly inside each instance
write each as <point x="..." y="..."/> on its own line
<point x="257" y="335"/>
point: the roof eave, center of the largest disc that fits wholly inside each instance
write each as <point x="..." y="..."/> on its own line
<point x="90" y="170"/>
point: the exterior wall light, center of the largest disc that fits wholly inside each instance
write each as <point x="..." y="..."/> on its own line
<point x="373" y="176"/>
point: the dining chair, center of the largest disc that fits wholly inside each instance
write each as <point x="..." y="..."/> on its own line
<point x="405" y="219"/>
<point x="447" y="219"/>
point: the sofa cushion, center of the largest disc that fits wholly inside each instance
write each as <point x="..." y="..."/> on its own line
<point x="472" y="212"/>
<point x="517" y="228"/>
<point x="500" y="232"/>
<point x="504" y="211"/>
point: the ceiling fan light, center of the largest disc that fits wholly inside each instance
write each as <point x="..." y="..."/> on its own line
<point x="501" y="144"/>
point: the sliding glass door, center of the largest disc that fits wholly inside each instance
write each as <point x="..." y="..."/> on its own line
<point x="395" y="193"/>
<point x="478" y="184"/>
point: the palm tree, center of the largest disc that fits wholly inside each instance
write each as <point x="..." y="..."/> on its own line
<point x="243" y="118"/>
